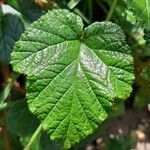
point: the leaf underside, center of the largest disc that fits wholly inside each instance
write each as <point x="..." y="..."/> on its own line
<point x="73" y="75"/>
<point x="141" y="8"/>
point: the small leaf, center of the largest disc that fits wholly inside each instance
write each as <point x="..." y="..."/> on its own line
<point x="141" y="8"/>
<point x="130" y="17"/>
<point x="10" y="29"/>
<point x="73" y="75"/>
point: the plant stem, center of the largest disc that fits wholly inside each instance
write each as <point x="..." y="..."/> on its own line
<point x="34" y="136"/>
<point x="102" y="6"/>
<point x="73" y="3"/>
<point x="90" y="10"/>
<point x="78" y="12"/>
<point x="110" y="13"/>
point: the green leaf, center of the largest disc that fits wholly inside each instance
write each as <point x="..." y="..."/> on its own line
<point x="141" y="8"/>
<point x="72" y="3"/>
<point x="73" y="75"/>
<point x="10" y="29"/>
<point x="21" y="122"/>
<point x="7" y="9"/>
<point x="121" y="16"/>
<point x="27" y="7"/>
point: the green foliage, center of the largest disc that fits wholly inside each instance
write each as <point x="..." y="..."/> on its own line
<point x="24" y="123"/>
<point x="27" y="8"/>
<point x="76" y="76"/>
<point x="10" y="29"/>
<point x="141" y="9"/>
<point x="13" y="20"/>
<point x="131" y="17"/>
<point x="73" y="75"/>
<point x="123" y="16"/>
<point x="73" y="3"/>
<point x="132" y="12"/>
<point x="119" y="14"/>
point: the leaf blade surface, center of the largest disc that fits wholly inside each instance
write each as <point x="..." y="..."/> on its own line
<point x="73" y="75"/>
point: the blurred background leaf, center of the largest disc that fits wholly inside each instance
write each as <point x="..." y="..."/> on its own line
<point x="22" y="123"/>
<point x="28" y="8"/>
<point x="11" y="28"/>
